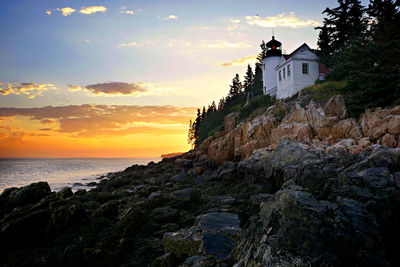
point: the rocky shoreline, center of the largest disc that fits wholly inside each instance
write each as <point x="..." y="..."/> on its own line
<point x="290" y="202"/>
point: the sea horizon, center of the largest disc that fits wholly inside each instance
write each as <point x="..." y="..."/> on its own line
<point x="76" y="173"/>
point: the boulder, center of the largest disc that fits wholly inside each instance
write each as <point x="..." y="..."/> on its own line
<point x="388" y="140"/>
<point x="213" y="234"/>
<point x="187" y="194"/>
<point x="18" y="197"/>
<point x="336" y="107"/>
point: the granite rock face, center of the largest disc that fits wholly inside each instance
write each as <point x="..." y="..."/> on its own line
<point x="313" y="124"/>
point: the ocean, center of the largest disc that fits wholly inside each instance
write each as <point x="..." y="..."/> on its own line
<point x="59" y="173"/>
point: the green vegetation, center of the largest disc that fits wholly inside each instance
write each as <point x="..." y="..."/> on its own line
<point x="362" y="46"/>
<point x="255" y="107"/>
<point x="322" y="91"/>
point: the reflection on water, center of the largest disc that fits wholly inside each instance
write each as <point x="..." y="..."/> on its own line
<point x="60" y="172"/>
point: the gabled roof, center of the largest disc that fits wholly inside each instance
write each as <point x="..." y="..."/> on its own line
<point x="287" y="57"/>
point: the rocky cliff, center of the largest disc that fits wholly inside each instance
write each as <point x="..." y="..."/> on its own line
<point x="313" y="188"/>
<point x="321" y="126"/>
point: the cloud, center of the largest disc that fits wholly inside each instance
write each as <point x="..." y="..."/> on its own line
<point x="31" y="90"/>
<point x="66" y="11"/>
<point x="223" y="44"/>
<point x="48" y="12"/>
<point x="240" y="61"/>
<point x="170" y="17"/>
<point x="104" y="120"/>
<point x="124" y="10"/>
<point x="110" y="88"/>
<point x="232" y="28"/>
<point x="92" y="9"/>
<point x="131" y="44"/>
<point x="235" y="20"/>
<point x="281" y="20"/>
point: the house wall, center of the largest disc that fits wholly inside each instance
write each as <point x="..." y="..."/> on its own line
<point x="303" y="80"/>
<point x="297" y="80"/>
<point x="286" y="85"/>
<point x="269" y="75"/>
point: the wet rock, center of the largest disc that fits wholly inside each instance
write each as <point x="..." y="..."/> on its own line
<point x="166" y="260"/>
<point x="187" y="194"/>
<point x="18" y="197"/>
<point x="180" y="177"/>
<point x="213" y="234"/>
<point x="165" y="215"/>
<point x="200" y="261"/>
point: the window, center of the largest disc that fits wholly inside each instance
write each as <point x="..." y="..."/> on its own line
<point x="288" y="70"/>
<point x="264" y="66"/>
<point x="305" y="68"/>
<point x="284" y="73"/>
<point x="280" y="76"/>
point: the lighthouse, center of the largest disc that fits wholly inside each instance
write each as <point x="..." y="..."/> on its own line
<point x="271" y="60"/>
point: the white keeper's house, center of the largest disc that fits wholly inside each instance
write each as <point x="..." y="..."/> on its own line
<point x="285" y="75"/>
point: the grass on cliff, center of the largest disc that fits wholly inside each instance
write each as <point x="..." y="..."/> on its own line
<point x="322" y="91"/>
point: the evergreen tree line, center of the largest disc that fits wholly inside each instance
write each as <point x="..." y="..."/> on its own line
<point x="211" y="119"/>
<point x="361" y="44"/>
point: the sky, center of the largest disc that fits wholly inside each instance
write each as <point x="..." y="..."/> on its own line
<point x="122" y="78"/>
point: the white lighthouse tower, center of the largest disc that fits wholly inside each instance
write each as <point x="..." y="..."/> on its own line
<point x="271" y="60"/>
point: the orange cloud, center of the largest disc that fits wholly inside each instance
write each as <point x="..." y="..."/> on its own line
<point x="240" y="61"/>
<point x="31" y="90"/>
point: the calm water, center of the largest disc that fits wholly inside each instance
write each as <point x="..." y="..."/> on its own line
<point x="60" y="172"/>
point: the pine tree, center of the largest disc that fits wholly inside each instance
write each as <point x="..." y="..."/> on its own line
<point x="343" y="27"/>
<point x="190" y="133"/>
<point x="236" y="87"/>
<point x="248" y="79"/>
<point x="257" y="87"/>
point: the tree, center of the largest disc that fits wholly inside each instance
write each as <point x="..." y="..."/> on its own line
<point x="236" y="87"/>
<point x="343" y="27"/>
<point x="190" y="133"/>
<point x="248" y="79"/>
<point x="263" y="52"/>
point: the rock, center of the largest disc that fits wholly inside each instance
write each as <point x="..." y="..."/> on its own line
<point x="182" y="244"/>
<point x="217" y="221"/>
<point x="187" y="194"/>
<point x="364" y="142"/>
<point x="227" y="168"/>
<point x="388" y="140"/>
<point x="155" y="195"/>
<point x="336" y="107"/>
<point x="66" y="192"/>
<point x="166" y="260"/>
<point x="18" y="197"/>
<point x="200" y="261"/>
<point x="163" y="215"/>
<point x="213" y="234"/>
<point x="230" y="121"/>
<point x="394" y="125"/>
<point x="180" y="177"/>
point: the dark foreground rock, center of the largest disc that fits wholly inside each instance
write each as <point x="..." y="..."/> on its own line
<point x="288" y="206"/>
